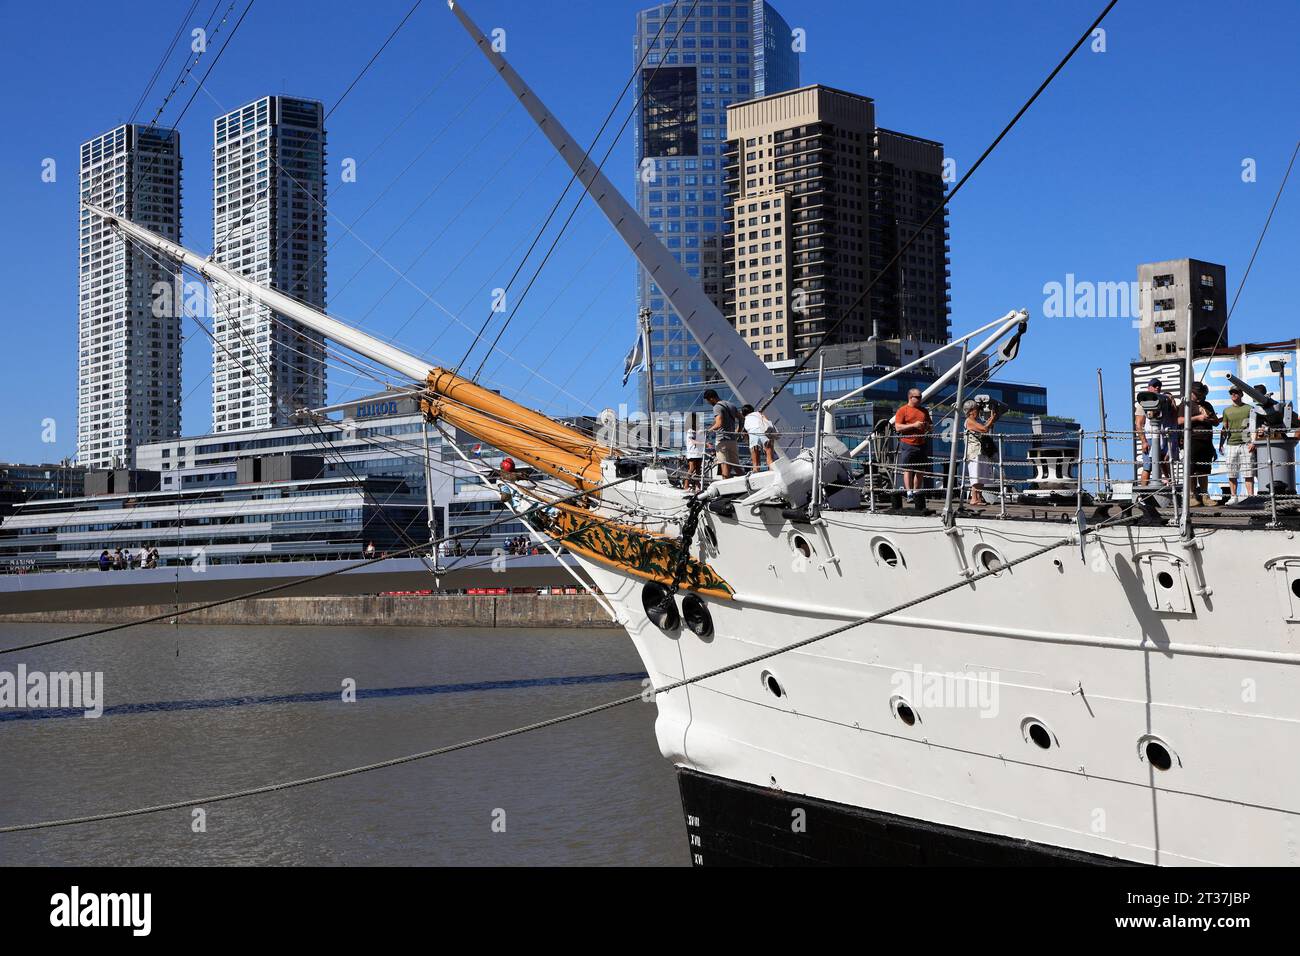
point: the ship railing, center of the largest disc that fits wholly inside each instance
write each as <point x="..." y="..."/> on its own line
<point x="1056" y="467"/>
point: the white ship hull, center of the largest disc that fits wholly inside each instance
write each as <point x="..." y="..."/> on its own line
<point x="1073" y="644"/>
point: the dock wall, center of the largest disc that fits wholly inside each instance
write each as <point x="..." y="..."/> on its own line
<point x="365" y="610"/>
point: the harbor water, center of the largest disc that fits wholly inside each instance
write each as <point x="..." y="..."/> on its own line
<point x="193" y="711"/>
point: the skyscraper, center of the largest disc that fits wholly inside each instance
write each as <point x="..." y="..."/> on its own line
<point x="723" y="53"/>
<point x="819" y="200"/>
<point x="129" y="335"/>
<point x="912" y="299"/>
<point x="268" y="223"/>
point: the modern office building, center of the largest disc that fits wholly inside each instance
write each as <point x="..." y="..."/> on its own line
<point x="694" y="68"/>
<point x="280" y="519"/>
<point x="128" y="317"/>
<point x="819" y="201"/>
<point x="377" y="436"/>
<point x="40" y="482"/>
<point x="268" y="223"/>
<point x="1171" y="294"/>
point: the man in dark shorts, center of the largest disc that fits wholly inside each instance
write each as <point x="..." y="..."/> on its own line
<point x="1201" y="449"/>
<point x="912" y="422"/>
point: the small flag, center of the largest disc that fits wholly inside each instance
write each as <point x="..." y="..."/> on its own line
<point x="635" y="360"/>
<point x="477" y="450"/>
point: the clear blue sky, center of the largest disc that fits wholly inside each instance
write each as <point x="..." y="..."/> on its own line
<point x="1133" y="155"/>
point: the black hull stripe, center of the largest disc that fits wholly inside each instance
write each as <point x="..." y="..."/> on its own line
<point x="738" y="824"/>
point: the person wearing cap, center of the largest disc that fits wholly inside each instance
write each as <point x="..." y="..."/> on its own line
<point x="1158" y="434"/>
<point x="1201" y="450"/>
<point x="1238" y="435"/>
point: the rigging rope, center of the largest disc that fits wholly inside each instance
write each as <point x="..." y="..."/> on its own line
<point x="564" y="226"/>
<point x="925" y="224"/>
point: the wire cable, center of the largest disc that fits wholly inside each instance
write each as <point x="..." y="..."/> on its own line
<point x="1258" y="242"/>
<point x="925" y="224"/>
<point x="564" y="192"/>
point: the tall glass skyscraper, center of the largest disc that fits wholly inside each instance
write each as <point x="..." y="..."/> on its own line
<point x="268" y="223"/>
<point x="129" y="325"/>
<point x="723" y="53"/>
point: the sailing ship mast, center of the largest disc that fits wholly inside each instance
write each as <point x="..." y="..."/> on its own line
<point x="742" y="370"/>
<point x="542" y="442"/>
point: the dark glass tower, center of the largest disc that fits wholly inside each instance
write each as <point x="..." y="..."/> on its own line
<point x="724" y="53"/>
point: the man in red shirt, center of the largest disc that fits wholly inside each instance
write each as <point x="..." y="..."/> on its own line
<point x="912" y="422"/>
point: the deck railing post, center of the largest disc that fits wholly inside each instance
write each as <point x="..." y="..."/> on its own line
<point x="953" y="437"/>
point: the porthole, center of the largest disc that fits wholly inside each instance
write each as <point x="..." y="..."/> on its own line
<point x="887" y="553"/>
<point x="1295" y="587"/>
<point x="1036" y="733"/>
<point x="799" y="545"/>
<point x="771" y="684"/>
<point x="1165" y="580"/>
<point x="904" y="711"/>
<point x="1157" y="753"/>
<point x="710" y="536"/>
<point x="988" y="559"/>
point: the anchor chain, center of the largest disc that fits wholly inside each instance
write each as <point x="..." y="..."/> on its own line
<point x="693" y="509"/>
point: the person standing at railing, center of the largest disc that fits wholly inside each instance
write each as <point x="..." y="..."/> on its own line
<point x="727" y="425"/>
<point x="980" y="449"/>
<point x="913" y="425"/>
<point x="761" y="434"/>
<point x="694" y="452"/>
<point x="1201" y="451"/>
<point x="1159" y="434"/>
<point x="1238" y="435"/>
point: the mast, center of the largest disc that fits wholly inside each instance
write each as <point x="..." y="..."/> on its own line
<point x="643" y="324"/>
<point x="526" y="434"/>
<point x="751" y="380"/>
<point x="372" y="348"/>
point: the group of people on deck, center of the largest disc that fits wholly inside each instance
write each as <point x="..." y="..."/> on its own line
<point x="1160" y="436"/>
<point x="725" y="430"/>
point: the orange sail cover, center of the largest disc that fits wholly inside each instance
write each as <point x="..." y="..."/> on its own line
<point x="520" y="432"/>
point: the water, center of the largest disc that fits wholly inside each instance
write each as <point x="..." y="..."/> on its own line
<point x="594" y="791"/>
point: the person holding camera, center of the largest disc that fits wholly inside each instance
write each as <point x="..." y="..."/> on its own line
<point x="1158" y="431"/>
<point x="982" y="414"/>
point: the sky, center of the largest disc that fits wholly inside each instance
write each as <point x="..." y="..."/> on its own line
<point x="1143" y="149"/>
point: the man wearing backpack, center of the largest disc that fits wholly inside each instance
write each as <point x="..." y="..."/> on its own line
<point x="726" y="423"/>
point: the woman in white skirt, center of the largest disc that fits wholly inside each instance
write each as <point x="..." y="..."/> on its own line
<point x="979" y="464"/>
